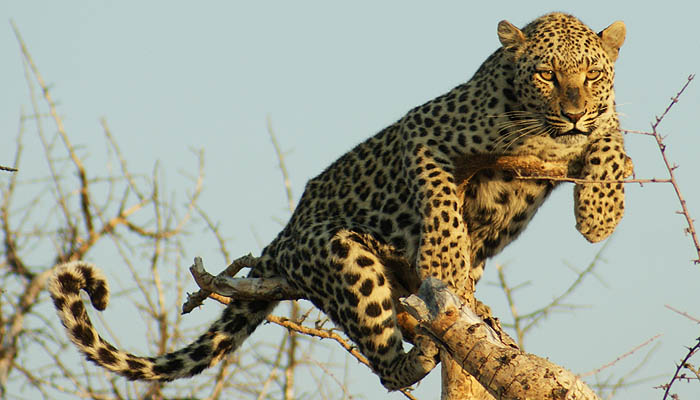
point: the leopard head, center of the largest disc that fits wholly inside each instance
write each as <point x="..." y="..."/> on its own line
<point x="563" y="76"/>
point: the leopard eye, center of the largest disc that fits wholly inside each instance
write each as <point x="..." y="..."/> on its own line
<point x="546" y="75"/>
<point x="593" y="74"/>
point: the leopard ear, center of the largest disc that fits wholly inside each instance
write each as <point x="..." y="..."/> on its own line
<point x="613" y="37"/>
<point x="511" y="37"/>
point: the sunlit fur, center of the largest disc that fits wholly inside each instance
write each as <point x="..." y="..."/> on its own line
<point x="397" y="209"/>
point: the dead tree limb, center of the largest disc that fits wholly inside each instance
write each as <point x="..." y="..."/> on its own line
<point x="506" y="372"/>
<point x="237" y="288"/>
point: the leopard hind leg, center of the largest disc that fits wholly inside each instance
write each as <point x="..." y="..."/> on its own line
<point x="350" y="284"/>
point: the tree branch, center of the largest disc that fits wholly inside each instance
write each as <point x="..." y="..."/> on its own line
<point x="506" y="372"/>
<point x="501" y="368"/>
<point x="662" y="148"/>
<point x="223" y="288"/>
<point x="242" y="288"/>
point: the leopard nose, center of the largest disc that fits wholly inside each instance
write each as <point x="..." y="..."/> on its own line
<point x="574" y="117"/>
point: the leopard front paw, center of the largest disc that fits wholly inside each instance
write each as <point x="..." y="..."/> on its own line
<point x="599" y="207"/>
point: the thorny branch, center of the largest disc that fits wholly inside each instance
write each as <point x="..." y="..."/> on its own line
<point x="678" y="375"/>
<point x="616" y="360"/>
<point x="690" y="229"/>
<point x="671" y="168"/>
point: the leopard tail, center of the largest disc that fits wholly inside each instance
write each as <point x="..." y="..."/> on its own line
<point x="238" y="320"/>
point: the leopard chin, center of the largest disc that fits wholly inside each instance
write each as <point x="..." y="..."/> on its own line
<point x="572" y="137"/>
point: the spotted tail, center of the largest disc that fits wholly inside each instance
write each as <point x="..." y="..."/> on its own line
<point x="238" y="321"/>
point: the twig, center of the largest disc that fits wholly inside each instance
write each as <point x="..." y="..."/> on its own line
<point x="578" y="180"/>
<point x="214" y="228"/>
<point x="508" y="291"/>
<point x="59" y="192"/>
<point x="325" y="334"/>
<point x="10" y="169"/>
<point x="679" y="367"/>
<point x="523" y="323"/>
<point x="662" y="148"/>
<point x="273" y="372"/>
<point x="282" y="166"/>
<point x="683" y="313"/>
<point x="84" y="192"/>
<point x="12" y="258"/>
<point x="636" y="132"/>
<point x="122" y="161"/>
<point x="629" y="353"/>
<point x="294" y="306"/>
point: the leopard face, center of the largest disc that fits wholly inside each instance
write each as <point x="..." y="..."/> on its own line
<point x="563" y="78"/>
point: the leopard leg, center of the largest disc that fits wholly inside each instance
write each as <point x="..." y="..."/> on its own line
<point x="444" y="247"/>
<point x="350" y="284"/>
<point x="599" y="207"/>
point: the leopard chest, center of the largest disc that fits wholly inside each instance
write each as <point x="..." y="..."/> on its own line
<point x="497" y="208"/>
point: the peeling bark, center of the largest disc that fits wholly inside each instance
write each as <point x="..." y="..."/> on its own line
<point x="506" y="372"/>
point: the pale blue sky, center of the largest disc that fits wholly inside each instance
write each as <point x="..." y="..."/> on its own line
<point x="170" y="76"/>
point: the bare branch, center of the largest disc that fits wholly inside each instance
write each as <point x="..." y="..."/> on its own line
<point x="683" y="313"/>
<point x="84" y="192"/>
<point x="532" y="167"/>
<point x="662" y="148"/>
<point x="325" y="334"/>
<point x="627" y="354"/>
<point x="523" y="323"/>
<point x="10" y="246"/>
<point x="242" y="288"/>
<point x="294" y="306"/>
<point x="122" y="161"/>
<point x="211" y="283"/>
<point x="282" y="166"/>
<point x="677" y="375"/>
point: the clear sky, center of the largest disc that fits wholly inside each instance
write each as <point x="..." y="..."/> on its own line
<point x="172" y="75"/>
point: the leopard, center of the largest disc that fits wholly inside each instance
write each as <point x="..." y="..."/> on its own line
<point x="399" y="208"/>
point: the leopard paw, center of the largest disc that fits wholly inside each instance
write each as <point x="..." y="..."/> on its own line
<point x="599" y="207"/>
